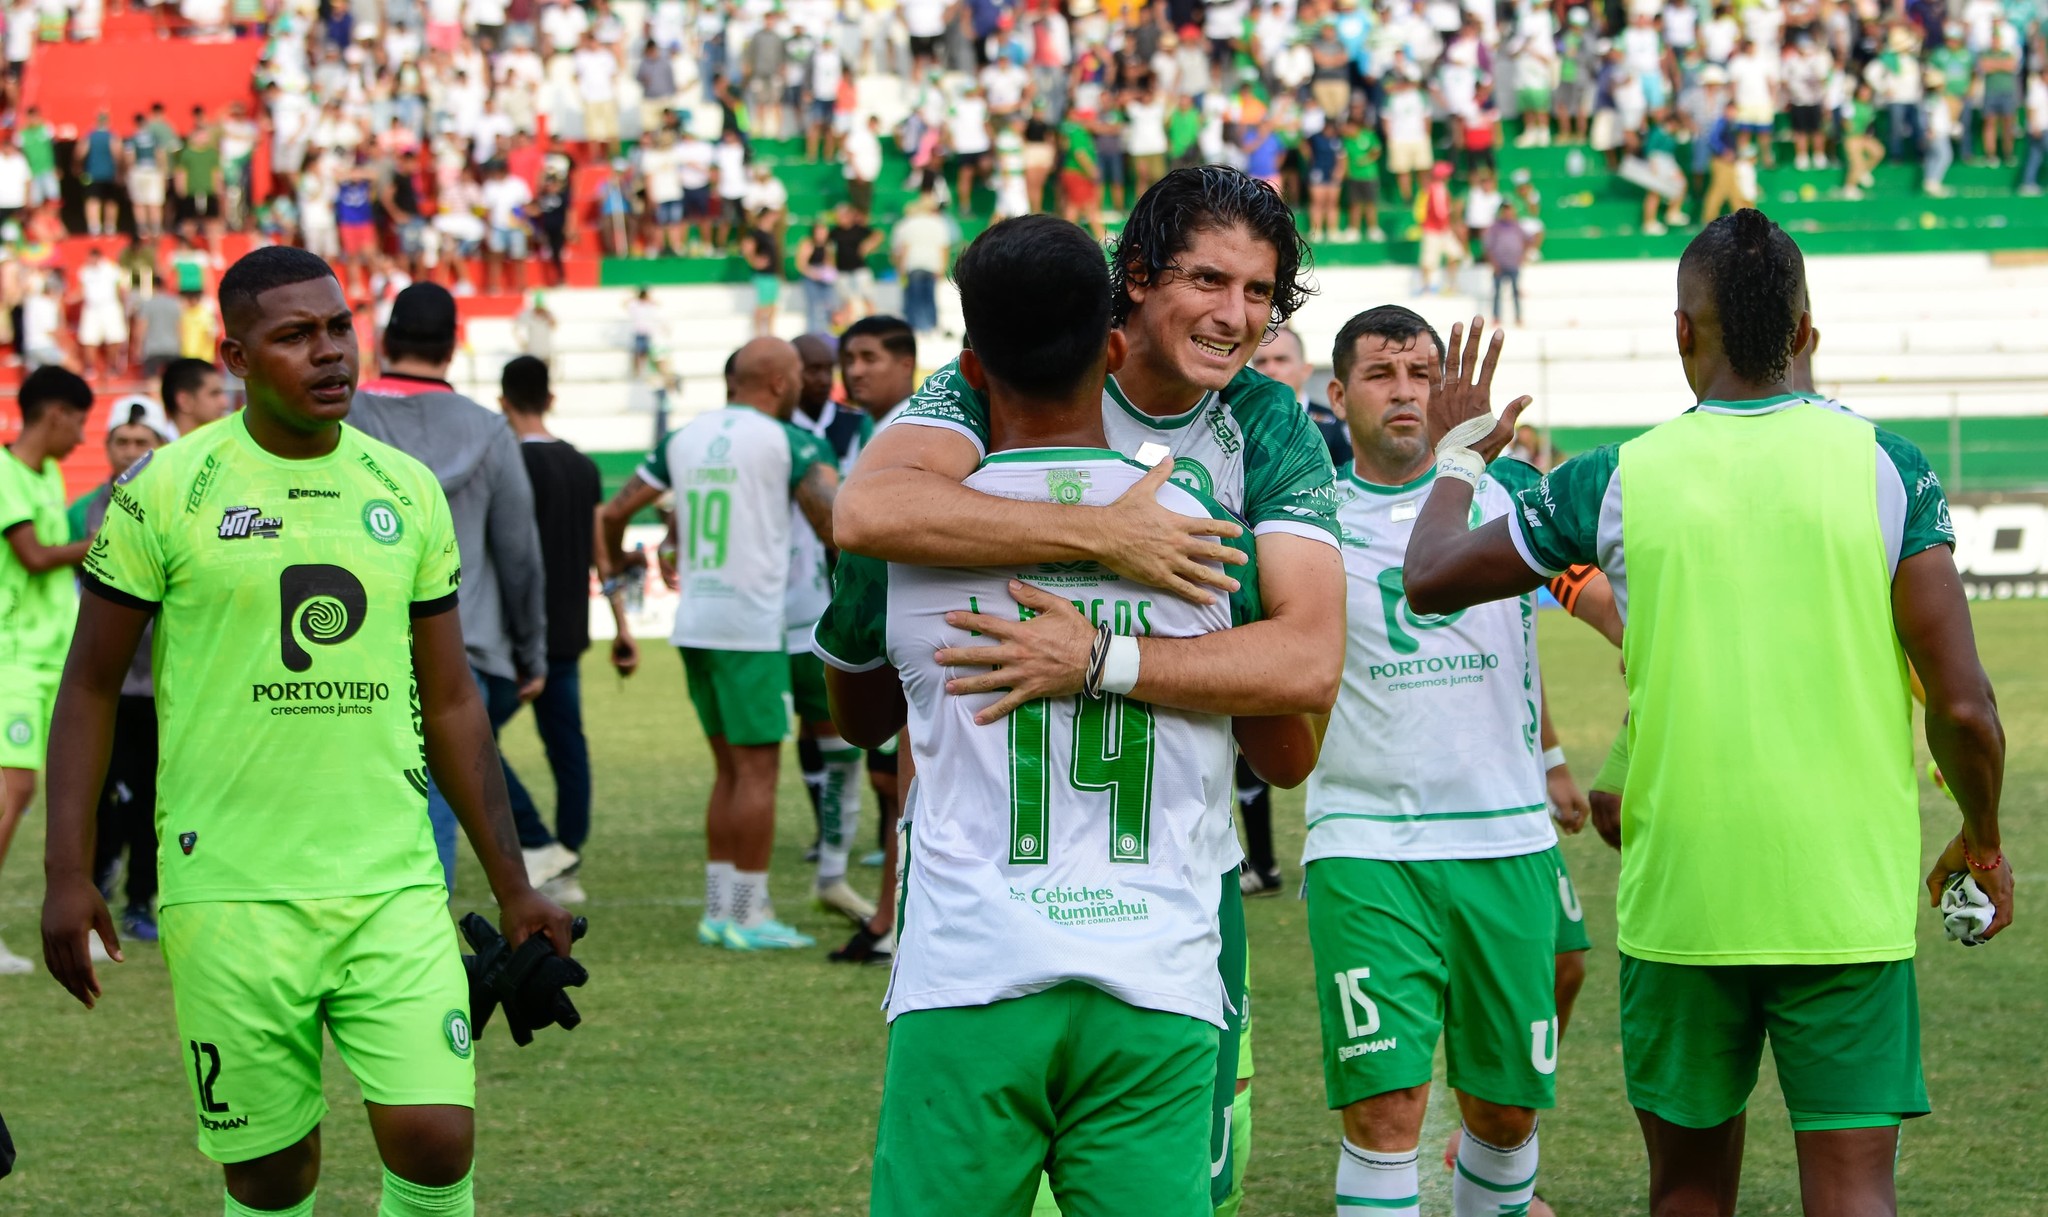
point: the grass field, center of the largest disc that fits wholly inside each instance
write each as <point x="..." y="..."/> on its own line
<point x="707" y="1083"/>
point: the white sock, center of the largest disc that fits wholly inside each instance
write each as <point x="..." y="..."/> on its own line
<point x="839" y="805"/>
<point x="1491" y="1181"/>
<point x="1371" y="1183"/>
<point x="717" y="891"/>
<point x="750" y="906"/>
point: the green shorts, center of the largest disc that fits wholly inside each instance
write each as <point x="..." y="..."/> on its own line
<point x="807" y="688"/>
<point x="1532" y="101"/>
<point x="740" y="696"/>
<point x="1846" y="1038"/>
<point x="1406" y="952"/>
<point x="254" y="981"/>
<point x="1233" y="962"/>
<point x="1571" y="919"/>
<point x="1110" y="1100"/>
<point x="27" y="695"/>
<point x="767" y="290"/>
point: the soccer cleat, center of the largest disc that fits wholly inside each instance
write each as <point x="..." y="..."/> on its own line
<point x="769" y="935"/>
<point x="137" y="924"/>
<point x="837" y="897"/>
<point x="867" y="948"/>
<point x="14" y="965"/>
<point x="565" y="888"/>
<point x="1256" y="883"/>
<point x="547" y="861"/>
<point x="711" y="933"/>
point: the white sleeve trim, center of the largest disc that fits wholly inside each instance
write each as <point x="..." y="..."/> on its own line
<point x="818" y="649"/>
<point x="943" y="424"/>
<point x="1290" y="528"/>
<point x="1522" y="544"/>
<point x="1891" y="507"/>
<point x="646" y="474"/>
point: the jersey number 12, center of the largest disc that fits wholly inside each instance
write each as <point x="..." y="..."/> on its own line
<point x="1112" y="752"/>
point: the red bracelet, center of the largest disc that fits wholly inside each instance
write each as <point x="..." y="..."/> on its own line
<point x="1973" y="864"/>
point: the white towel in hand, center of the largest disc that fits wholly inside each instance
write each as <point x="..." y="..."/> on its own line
<point x="1966" y="911"/>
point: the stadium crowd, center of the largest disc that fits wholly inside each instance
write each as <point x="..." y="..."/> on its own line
<point x="408" y="141"/>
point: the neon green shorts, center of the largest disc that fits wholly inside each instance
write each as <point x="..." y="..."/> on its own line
<point x="1464" y="949"/>
<point x="1110" y="1100"/>
<point x="1846" y="1038"/>
<point x="255" y="981"/>
<point x="742" y="696"/>
<point x="27" y="695"/>
<point x="807" y="688"/>
<point x="1571" y="919"/>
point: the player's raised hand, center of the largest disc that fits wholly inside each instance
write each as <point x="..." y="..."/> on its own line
<point x="1464" y="391"/>
<point x="1145" y="542"/>
<point x="1046" y="656"/>
<point x="528" y="913"/>
<point x="73" y="910"/>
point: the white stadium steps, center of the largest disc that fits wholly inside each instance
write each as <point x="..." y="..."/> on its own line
<point x="1915" y="335"/>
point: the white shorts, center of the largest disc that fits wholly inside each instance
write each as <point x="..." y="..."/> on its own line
<point x="146" y="187"/>
<point x="102" y="325"/>
<point x="1409" y="156"/>
<point x="1441" y="247"/>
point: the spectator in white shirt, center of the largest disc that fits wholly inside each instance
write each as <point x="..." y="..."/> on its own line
<point x="967" y="139"/>
<point x="729" y="155"/>
<point x="597" y="68"/>
<point x="862" y="156"/>
<point x="505" y="199"/>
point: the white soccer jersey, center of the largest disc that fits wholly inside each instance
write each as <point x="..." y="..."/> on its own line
<point x="1077" y="839"/>
<point x="1434" y="748"/>
<point x="733" y="471"/>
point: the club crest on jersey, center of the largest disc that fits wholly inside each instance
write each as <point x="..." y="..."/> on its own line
<point x="382" y="521"/>
<point x="240" y="522"/>
<point x="1191" y="473"/>
<point x="1067" y="486"/>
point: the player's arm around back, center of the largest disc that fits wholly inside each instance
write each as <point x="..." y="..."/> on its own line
<point x="82" y="735"/>
<point x="1963" y="729"/>
<point x="904" y="502"/>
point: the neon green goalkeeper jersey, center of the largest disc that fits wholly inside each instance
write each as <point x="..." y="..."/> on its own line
<point x="36" y="610"/>
<point x="292" y="758"/>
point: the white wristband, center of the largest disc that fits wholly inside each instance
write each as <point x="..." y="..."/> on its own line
<point x="1120" y="666"/>
<point x="1462" y="464"/>
<point x="1552" y="758"/>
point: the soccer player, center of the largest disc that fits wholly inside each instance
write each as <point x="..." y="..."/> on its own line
<point x="1432" y="871"/>
<point x="735" y="473"/>
<point x="1208" y="261"/>
<point x="193" y="395"/>
<point x="136" y="427"/>
<point x="302" y="578"/>
<point x="1055" y="1001"/>
<point x="566" y="492"/>
<point x="831" y="765"/>
<point x="38" y="598"/>
<point x="1770" y="814"/>
<point x="878" y="366"/>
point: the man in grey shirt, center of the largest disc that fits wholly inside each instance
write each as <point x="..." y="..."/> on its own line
<point x="413" y="408"/>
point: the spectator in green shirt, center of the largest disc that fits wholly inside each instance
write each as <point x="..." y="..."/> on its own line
<point x="1362" y="177"/>
<point x="39" y="145"/>
<point x="198" y="174"/>
<point x="1080" y="174"/>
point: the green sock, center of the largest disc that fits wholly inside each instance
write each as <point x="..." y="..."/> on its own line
<point x="303" y="1208"/>
<point x="403" y="1198"/>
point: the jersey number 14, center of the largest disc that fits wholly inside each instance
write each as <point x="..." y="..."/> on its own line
<point x="1112" y="752"/>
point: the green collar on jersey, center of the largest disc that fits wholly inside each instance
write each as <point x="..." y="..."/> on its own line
<point x="1170" y="422"/>
<point x="238" y="426"/>
<point x="1014" y="456"/>
<point x="1428" y="476"/>
<point x="1761" y="405"/>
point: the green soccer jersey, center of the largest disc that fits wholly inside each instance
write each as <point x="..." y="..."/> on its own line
<point x="293" y="760"/>
<point x="1362" y="155"/>
<point x="36" y="610"/>
<point x="39" y="148"/>
<point x="1769" y="722"/>
<point x="1251" y="447"/>
<point x="1080" y="147"/>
